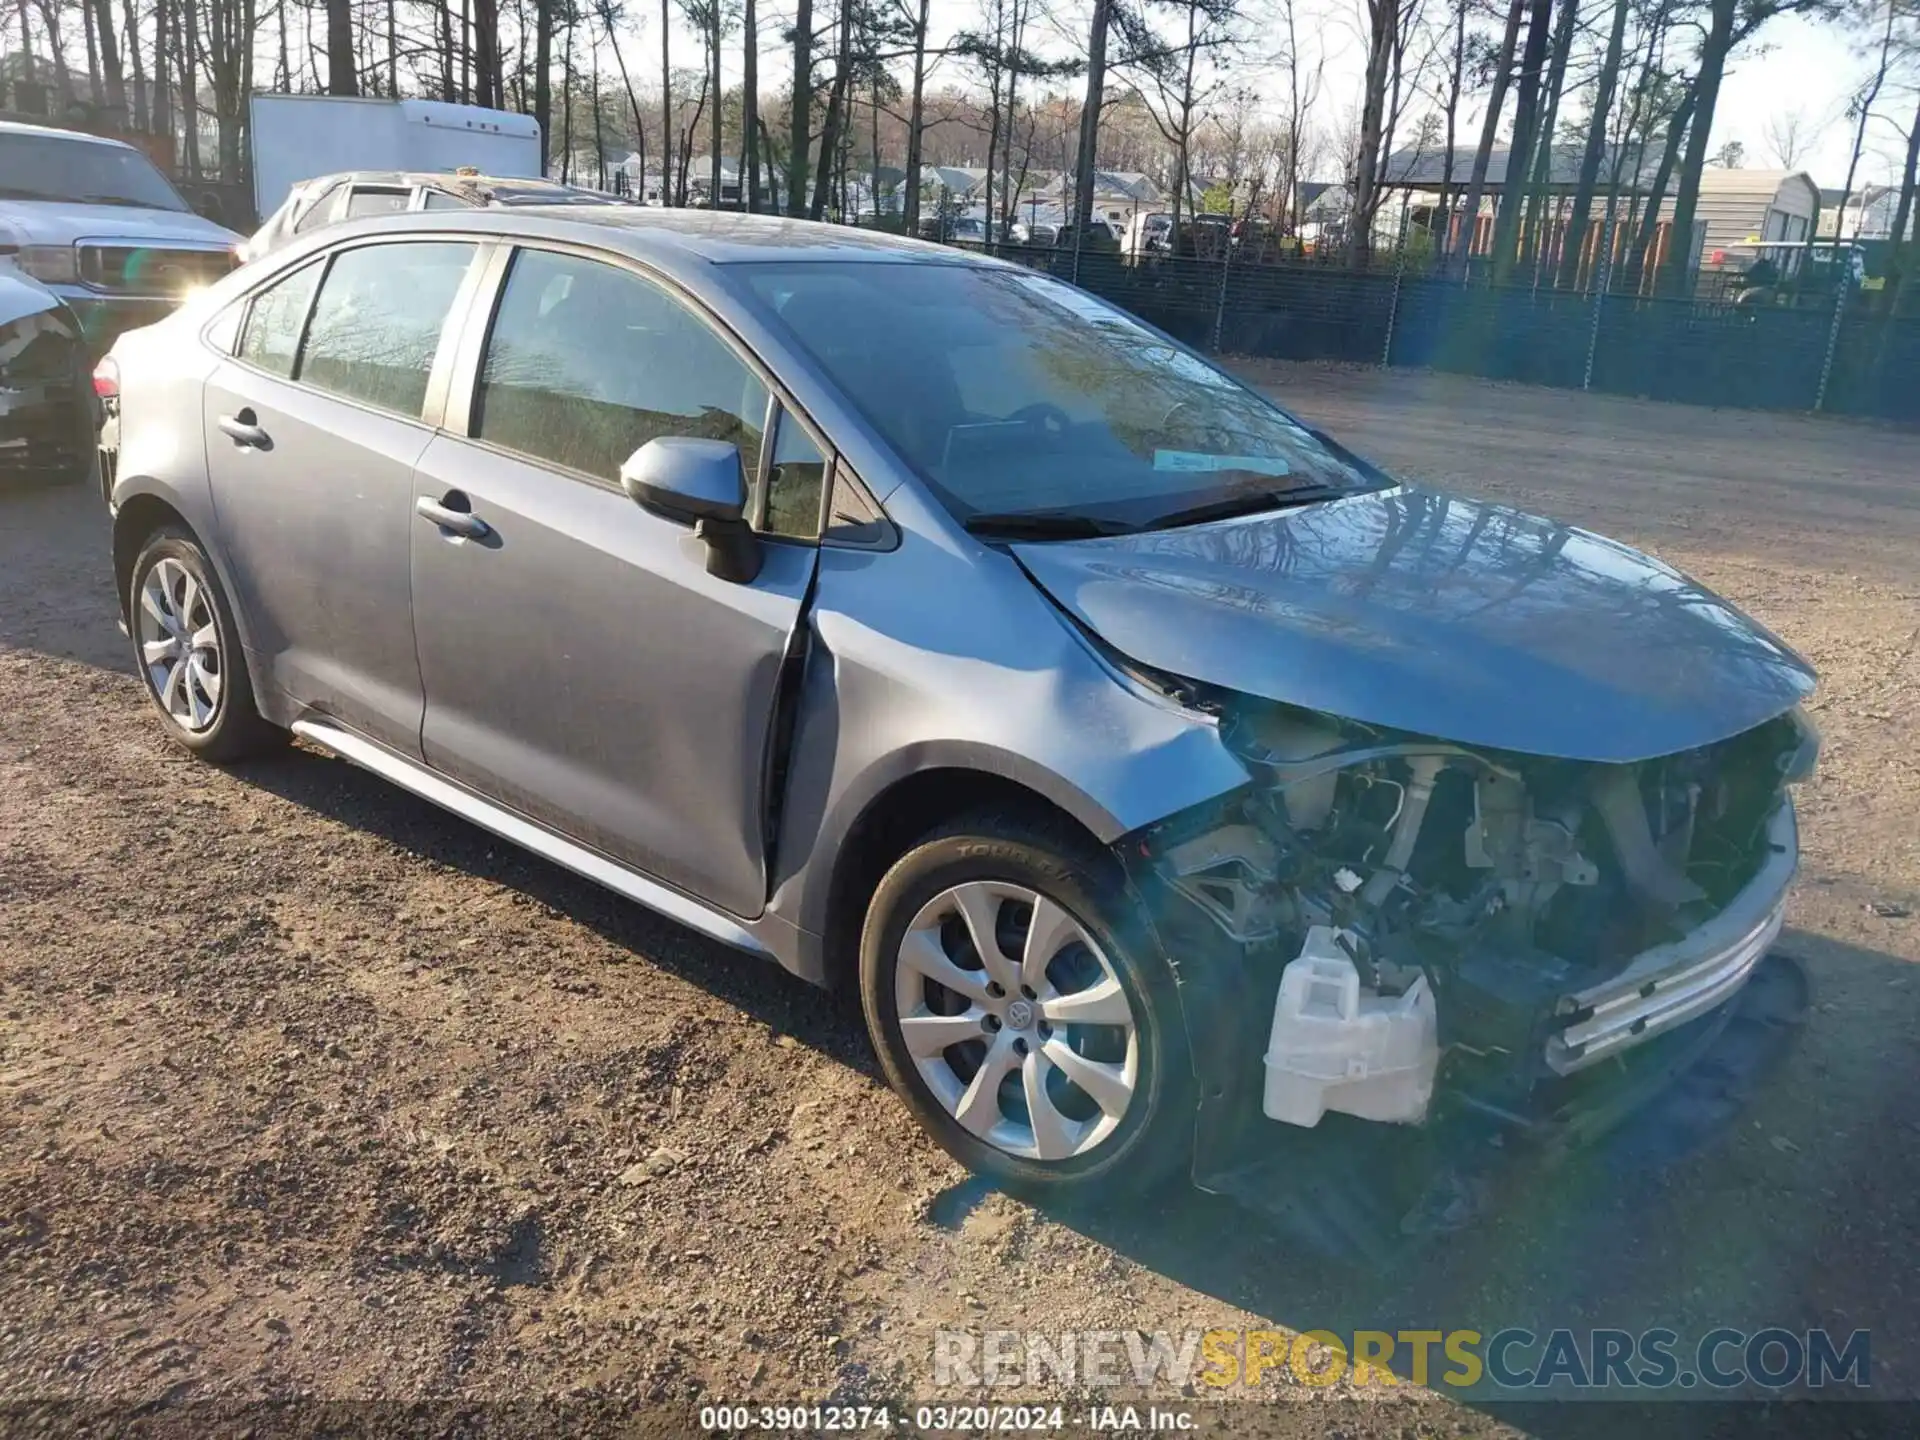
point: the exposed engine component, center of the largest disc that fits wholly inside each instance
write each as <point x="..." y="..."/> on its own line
<point x="1649" y="872"/>
<point x="1337" y="1045"/>
<point x="1380" y="883"/>
<point x="1230" y="873"/>
<point x="1530" y="856"/>
<point x="1290" y="739"/>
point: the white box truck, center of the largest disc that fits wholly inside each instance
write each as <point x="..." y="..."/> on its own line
<point x="296" y="137"/>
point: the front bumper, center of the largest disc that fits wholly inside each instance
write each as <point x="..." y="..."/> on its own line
<point x="1368" y="1193"/>
<point x="1667" y="986"/>
<point x="104" y="318"/>
<point x="45" y="430"/>
<point x="1663" y="1054"/>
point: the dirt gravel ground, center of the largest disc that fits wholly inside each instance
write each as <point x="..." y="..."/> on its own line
<point x="307" y="1089"/>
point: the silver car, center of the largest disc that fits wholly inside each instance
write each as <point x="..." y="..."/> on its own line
<point x="1165" y="777"/>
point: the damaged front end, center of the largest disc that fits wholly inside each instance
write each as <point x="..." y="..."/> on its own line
<point x="46" y="406"/>
<point x="1401" y="958"/>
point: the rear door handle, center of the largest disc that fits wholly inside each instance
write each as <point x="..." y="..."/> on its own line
<point x="245" y="432"/>
<point x="453" y="514"/>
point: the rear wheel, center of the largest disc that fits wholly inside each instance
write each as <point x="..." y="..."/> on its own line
<point x="1017" y="1009"/>
<point x="188" y="652"/>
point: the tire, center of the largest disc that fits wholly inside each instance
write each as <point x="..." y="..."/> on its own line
<point x="1097" y="943"/>
<point x="208" y="706"/>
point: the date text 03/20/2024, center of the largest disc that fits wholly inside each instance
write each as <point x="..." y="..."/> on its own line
<point x="814" y="1419"/>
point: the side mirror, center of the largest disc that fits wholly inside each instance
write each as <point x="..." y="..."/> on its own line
<point x="701" y="483"/>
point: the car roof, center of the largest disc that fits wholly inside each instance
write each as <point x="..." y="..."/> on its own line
<point x="716" y="236"/>
<point x="478" y="188"/>
<point x="15" y="127"/>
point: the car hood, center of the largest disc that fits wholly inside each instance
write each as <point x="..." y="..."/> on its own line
<point x="1424" y="612"/>
<point x="61" y="222"/>
<point x="22" y="295"/>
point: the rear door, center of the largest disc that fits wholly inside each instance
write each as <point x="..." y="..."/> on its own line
<point x="312" y="431"/>
<point x="580" y="664"/>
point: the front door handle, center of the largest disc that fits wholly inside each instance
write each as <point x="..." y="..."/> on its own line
<point x="245" y="432"/>
<point x="453" y="513"/>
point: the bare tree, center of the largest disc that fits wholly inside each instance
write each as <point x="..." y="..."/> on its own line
<point x="1861" y="106"/>
<point x="1905" y="251"/>
<point x="1303" y="92"/>
<point x="916" y="117"/>
<point x="1526" y="110"/>
<point x="1789" y="135"/>
<point x="1390" y="26"/>
<point x="1591" y="153"/>
<point x="1489" y="132"/>
<point x="800" y="110"/>
<point x="1729" y="22"/>
<point x="343" y="76"/>
<point x="750" y="107"/>
<point x="1181" y="77"/>
<point x="1088" y="156"/>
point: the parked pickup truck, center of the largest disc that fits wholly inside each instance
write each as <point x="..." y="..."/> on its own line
<point x="93" y="221"/>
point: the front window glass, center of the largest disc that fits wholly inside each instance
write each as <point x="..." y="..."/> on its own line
<point x="47" y="167"/>
<point x="1014" y="395"/>
<point x="376" y="324"/>
<point x="586" y="363"/>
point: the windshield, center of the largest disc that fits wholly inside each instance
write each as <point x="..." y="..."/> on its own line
<point x="1014" y="395"/>
<point x="49" y="167"/>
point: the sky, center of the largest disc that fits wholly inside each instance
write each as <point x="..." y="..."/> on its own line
<point x="1793" y="65"/>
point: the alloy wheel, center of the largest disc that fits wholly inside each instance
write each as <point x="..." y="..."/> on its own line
<point x="180" y="644"/>
<point x="1016" y="1020"/>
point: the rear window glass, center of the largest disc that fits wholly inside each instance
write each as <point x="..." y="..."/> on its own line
<point x="272" y="333"/>
<point x="377" y="202"/>
<point x="377" y="321"/>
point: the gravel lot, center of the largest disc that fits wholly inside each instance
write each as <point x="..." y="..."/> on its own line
<point x="307" y="1088"/>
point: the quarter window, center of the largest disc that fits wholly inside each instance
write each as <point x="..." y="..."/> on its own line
<point x="376" y="323"/>
<point x="586" y="363"/>
<point x="272" y="334"/>
<point x="795" y="481"/>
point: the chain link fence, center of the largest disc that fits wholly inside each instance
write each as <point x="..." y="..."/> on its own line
<point x="1838" y="352"/>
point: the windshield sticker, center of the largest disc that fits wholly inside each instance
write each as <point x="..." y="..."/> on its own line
<point x="1192" y="462"/>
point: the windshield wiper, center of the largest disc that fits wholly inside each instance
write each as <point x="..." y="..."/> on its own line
<point x="1041" y="525"/>
<point x="1253" y="503"/>
<point x="118" y="200"/>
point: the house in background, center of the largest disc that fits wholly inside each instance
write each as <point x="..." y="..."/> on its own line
<point x="1118" y="195"/>
<point x="1736" y="206"/>
<point x="1869" y="213"/>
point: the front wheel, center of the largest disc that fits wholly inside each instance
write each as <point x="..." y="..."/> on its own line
<point x="1019" y="1011"/>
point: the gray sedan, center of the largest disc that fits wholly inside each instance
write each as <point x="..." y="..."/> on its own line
<point x="1166" y="778"/>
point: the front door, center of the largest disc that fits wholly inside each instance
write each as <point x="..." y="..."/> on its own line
<point x="312" y="431"/>
<point x="580" y="665"/>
